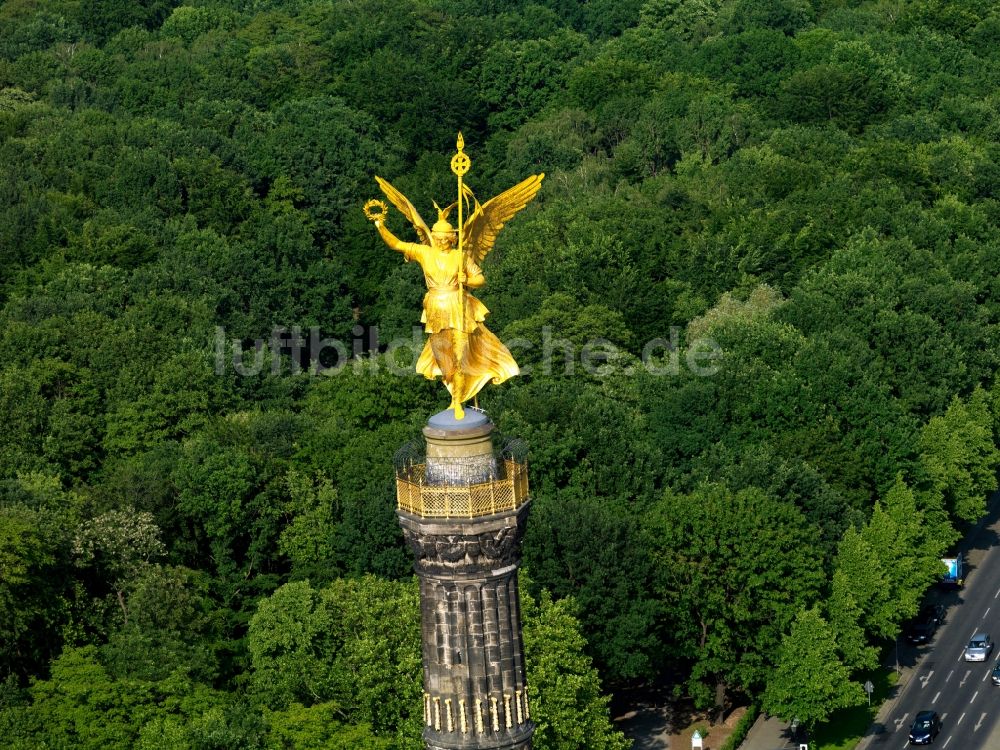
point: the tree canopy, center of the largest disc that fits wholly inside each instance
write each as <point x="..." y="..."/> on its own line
<point x="756" y="306"/>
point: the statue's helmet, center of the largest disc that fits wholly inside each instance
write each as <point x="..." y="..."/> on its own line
<point x="442" y="225"/>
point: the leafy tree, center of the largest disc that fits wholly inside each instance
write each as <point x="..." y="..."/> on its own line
<point x="286" y="638"/>
<point x="785" y="15"/>
<point x="580" y="546"/>
<point x="785" y="477"/>
<point x="120" y="545"/>
<point x="561" y="320"/>
<point x="692" y="21"/>
<point x="567" y="706"/>
<point x="341" y="155"/>
<point x="909" y="545"/>
<point x="851" y="90"/>
<point x="37" y="518"/>
<point x="861" y="580"/>
<point x="103" y="18"/>
<point x="215" y="489"/>
<point x="845" y="617"/>
<point x="172" y="625"/>
<point x="809" y="681"/>
<point x="33" y="546"/>
<point x="190" y="22"/>
<point x="557" y="140"/>
<point x="731" y="569"/>
<point x="960" y="457"/>
<point x="309" y="538"/>
<point x="318" y="727"/>
<point x="755" y="61"/>
<point x="357" y="419"/>
<point x="82" y="705"/>
<point x="760" y="304"/>
<point x="183" y="392"/>
<point x="355" y="642"/>
<point x="518" y="78"/>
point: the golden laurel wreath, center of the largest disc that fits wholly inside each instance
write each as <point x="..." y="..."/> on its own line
<point x="373" y="215"/>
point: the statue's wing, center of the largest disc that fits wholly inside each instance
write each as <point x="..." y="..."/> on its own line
<point x="482" y="228"/>
<point x="406" y="208"/>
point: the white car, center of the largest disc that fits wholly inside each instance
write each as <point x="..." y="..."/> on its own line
<point x="979" y="648"/>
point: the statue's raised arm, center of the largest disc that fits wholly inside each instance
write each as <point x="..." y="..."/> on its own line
<point x="408" y="210"/>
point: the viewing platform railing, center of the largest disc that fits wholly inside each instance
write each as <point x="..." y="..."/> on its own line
<point x="505" y="492"/>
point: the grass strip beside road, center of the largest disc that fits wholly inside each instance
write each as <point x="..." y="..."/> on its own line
<point x="847" y="726"/>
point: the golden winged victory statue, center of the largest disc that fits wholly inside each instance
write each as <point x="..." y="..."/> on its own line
<point x="460" y="349"/>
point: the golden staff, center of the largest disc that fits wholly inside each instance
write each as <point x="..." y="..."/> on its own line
<point x="460" y="164"/>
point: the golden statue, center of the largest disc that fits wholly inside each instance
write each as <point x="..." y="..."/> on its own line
<point x="460" y="349"/>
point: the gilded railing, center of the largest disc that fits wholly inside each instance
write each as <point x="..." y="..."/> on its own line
<point x="504" y="493"/>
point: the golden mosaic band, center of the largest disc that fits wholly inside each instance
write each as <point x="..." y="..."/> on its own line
<point x="471" y="501"/>
<point x="512" y="716"/>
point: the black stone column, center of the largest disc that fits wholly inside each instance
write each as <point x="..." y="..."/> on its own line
<point x="474" y="677"/>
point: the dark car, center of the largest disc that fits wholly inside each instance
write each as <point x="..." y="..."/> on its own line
<point x="924" y="625"/>
<point x="995" y="675"/>
<point x="925" y="728"/>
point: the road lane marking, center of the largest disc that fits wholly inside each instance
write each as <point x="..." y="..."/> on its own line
<point x="900" y="721"/>
<point x="996" y="594"/>
<point x="986" y="613"/>
<point x="946" y="742"/>
<point x="967" y="673"/>
<point x="926" y="678"/>
<point x="960" y="719"/>
<point x="976" y="695"/>
<point x="979" y="723"/>
<point x="953" y="672"/>
<point x="936" y="696"/>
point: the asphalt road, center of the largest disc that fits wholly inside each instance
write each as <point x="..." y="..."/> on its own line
<point x="939" y="678"/>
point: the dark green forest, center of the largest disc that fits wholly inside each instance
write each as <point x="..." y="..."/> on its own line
<point x="197" y="552"/>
